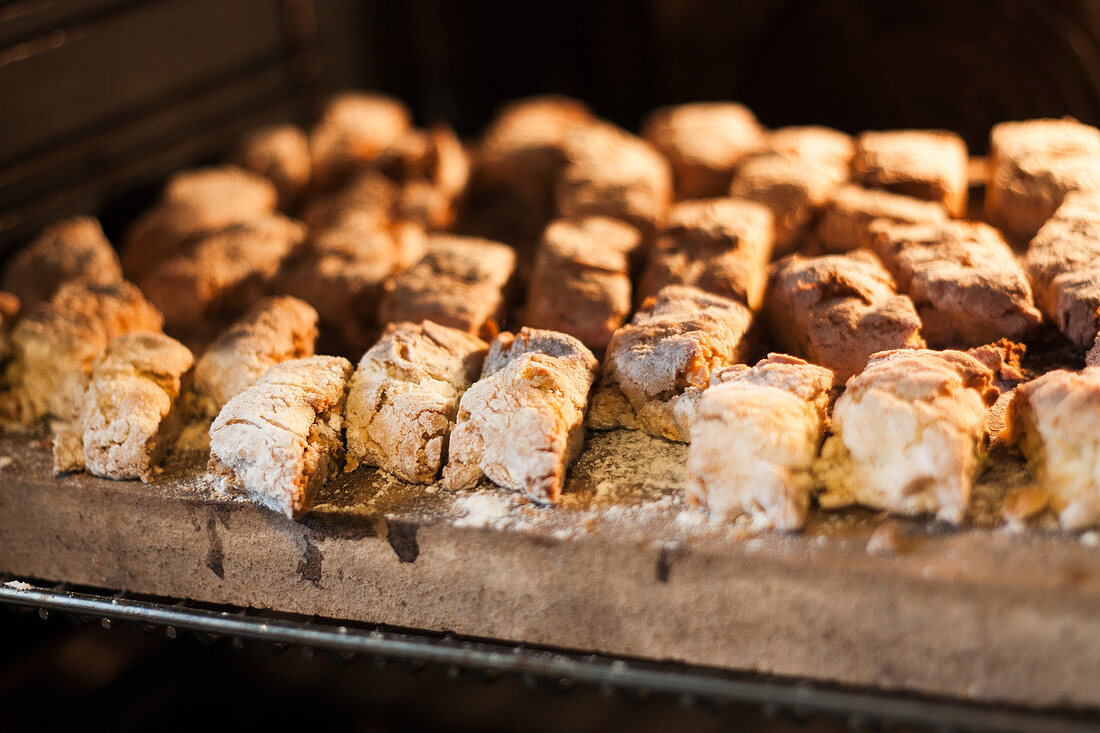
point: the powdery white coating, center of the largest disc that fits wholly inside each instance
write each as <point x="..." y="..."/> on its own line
<point x="404" y="395"/>
<point x="279" y="440"/>
<point x="754" y="440"/>
<point x="907" y="434"/>
<point x="522" y="423"/>
<point x="846" y="218"/>
<point x="1055" y="420"/>
<point x="274" y="330"/>
<point x="927" y="164"/>
<point x="657" y="365"/>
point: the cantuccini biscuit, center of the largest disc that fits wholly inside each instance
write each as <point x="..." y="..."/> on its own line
<point x="279" y="153"/>
<point x="926" y="164"/>
<point x="69" y="250"/>
<point x="823" y="146"/>
<point x="353" y="130"/>
<point x="845" y="221"/>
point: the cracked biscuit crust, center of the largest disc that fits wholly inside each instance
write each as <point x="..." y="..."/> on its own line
<point x="522" y="423"/>
<point x="907" y="434"/>
<point x="658" y="364"/>
<point x="280" y="439"/>
<point x="404" y="396"/>
<point x="754" y="440"/>
<point x="837" y="310"/>
<point x="1055" y="420"/>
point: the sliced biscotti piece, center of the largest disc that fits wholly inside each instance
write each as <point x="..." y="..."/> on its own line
<point x="907" y="434"/>
<point x="70" y="250"/>
<point x="821" y="145"/>
<point x="522" y="423"/>
<point x="926" y="164"/>
<point x="129" y="415"/>
<point x="404" y="395"/>
<point x="754" y="440"/>
<point x="718" y="245"/>
<point x="658" y="364"/>
<point x="610" y="172"/>
<point x="354" y="128"/>
<point x="1063" y="264"/>
<point x="837" y="310"/>
<point x="279" y="440"/>
<point x="968" y="287"/>
<point x="54" y="346"/>
<point x="279" y="153"/>
<point x="274" y="330"/>
<point x="580" y="284"/>
<point x="1055" y="420"/>
<point x="223" y="274"/>
<point x="459" y="282"/>
<point x="704" y="141"/>
<point x="845" y="222"/>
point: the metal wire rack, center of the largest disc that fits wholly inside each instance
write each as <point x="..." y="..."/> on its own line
<point x="487" y="660"/>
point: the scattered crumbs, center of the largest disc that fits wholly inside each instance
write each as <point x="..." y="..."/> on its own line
<point x="1091" y="538"/>
<point x="18" y="584"/>
<point x="483" y="509"/>
<point x="6" y="461"/>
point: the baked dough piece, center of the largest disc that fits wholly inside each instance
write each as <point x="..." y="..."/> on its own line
<point x="613" y="173"/>
<point x="907" y="434"/>
<point x="925" y="164"/>
<point x="704" y="141"/>
<point x="1055" y="420"/>
<point x="274" y="330"/>
<point x="404" y="396"/>
<point x="845" y="222"/>
<point x="129" y="415"/>
<point x="755" y="438"/>
<point x="581" y="280"/>
<point x="821" y="145"/>
<point x="837" y="310"/>
<point x="522" y="423"/>
<point x="279" y="153"/>
<point x="224" y="272"/>
<point x="353" y="130"/>
<point x="460" y="282"/>
<point x="433" y="169"/>
<point x="54" y="346"/>
<point x="968" y="287"/>
<point x="194" y="203"/>
<point x="1063" y="264"/>
<point x="366" y="195"/>
<point x="70" y="250"/>
<point x="720" y="245"/>
<point x="1053" y="137"/>
<point x="279" y="440"/>
<point x="658" y="364"/>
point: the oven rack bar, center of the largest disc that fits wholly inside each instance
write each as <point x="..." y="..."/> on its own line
<point x="487" y="660"/>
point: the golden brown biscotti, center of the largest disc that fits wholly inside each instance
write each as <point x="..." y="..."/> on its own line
<point x="432" y="168"/>
<point x="658" y="364"/>
<point x="838" y="310"/>
<point x="279" y="153"/>
<point x="966" y="283"/>
<point x="67" y="251"/>
<point x="704" y="141"/>
<point x="926" y="164"/>
<point x="908" y="433"/>
<point x="280" y="439"/>
<point x="354" y="128"/>
<point x="522" y="423"/>
<point x="754" y="440"/>
<point x="845" y="221"/>
<point x="403" y="398"/>
<point x="823" y="146"/>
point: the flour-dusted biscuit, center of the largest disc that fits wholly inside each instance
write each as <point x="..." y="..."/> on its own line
<point x="907" y="434"/>
<point x="580" y="284"/>
<point x="966" y="283"/>
<point x="70" y="250"/>
<point x="704" y="141"/>
<point x="754" y="440"/>
<point x="1063" y="264"/>
<point x="1053" y="137"/>
<point x="718" y="245"/>
<point x="837" y="310"/>
<point x="404" y="395"/>
<point x="280" y="439"/>
<point x="432" y="169"/>
<point x="368" y="195"/>
<point x="54" y="346"/>
<point x="194" y="203"/>
<point x="845" y="221"/>
<point x="130" y="414"/>
<point x="613" y="173"/>
<point x="522" y="423"/>
<point x="223" y="273"/>
<point x="279" y="153"/>
<point x="274" y="330"/>
<point x="1055" y="420"/>
<point x="353" y="130"/>
<point x="658" y="364"/>
<point x="460" y="282"/>
<point x="926" y="164"/>
<point x="823" y="146"/>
